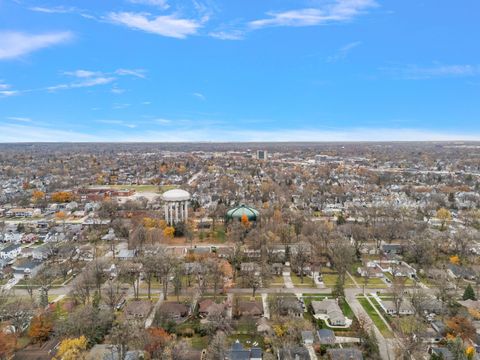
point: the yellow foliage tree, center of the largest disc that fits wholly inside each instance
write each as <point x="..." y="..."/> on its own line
<point x="279" y="330"/>
<point x="470" y="352"/>
<point x="454" y="259"/>
<point x="162" y="224"/>
<point x="168" y="232"/>
<point x="38" y="196"/>
<point x="444" y="216"/>
<point x="149" y="222"/>
<point x="72" y="349"/>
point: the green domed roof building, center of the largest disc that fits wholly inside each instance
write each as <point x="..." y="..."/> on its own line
<point x="237" y="212"/>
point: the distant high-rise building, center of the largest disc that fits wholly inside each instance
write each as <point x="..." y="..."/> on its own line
<point x="262" y="154"/>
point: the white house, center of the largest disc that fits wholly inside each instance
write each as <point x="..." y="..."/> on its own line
<point x="10" y="251"/>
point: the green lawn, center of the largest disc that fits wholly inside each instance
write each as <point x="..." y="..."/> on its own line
<point x="199" y="342"/>
<point x="375" y="283"/>
<point x="330" y="279"/>
<point x="277" y="281"/>
<point x="408" y="281"/>
<point x="307" y="281"/>
<point x="375" y="317"/>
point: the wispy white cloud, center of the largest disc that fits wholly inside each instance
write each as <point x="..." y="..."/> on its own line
<point x="140" y="73"/>
<point x="88" y="78"/>
<point x="329" y="12"/>
<point x="117" y="91"/>
<point x="17" y="44"/>
<point x="163" y="4"/>
<point x="20" y="119"/>
<point x="343" y="52"/>
<point x="83" y="73"/>
<point x="54" y="9"/>
<point x="228" y="35"/>
<point x="5" y="90"/>
<point x="6" y="93"/>
<point x="199" y="96"/>
<point x="165" y="25"/>
<point x="89" y="82"/>
<point x="415" y="72"/>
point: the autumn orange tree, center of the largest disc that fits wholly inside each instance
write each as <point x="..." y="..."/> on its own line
<point x="62" y="197"/>
<point x="40" y="328"/>
<point x="61" y="216"/>
<point x="460" y="326"/>
<point x="245" y="221"/>
<point x="7" y="345"/>
<point x="157" y="340"/>
<point x="38" y="196"/>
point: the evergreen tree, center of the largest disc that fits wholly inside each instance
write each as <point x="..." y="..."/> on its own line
<point x="469" y="293"/>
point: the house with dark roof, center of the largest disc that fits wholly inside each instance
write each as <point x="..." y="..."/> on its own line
<point x="294" y="352"/>
<point x="26" y="268"/>
<point x="326" y="337"/>
<point x="10" y="251"/>
<point x="238" y="352"/>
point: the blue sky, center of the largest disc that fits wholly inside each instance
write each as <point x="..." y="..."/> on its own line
<point x="239" y="70"/>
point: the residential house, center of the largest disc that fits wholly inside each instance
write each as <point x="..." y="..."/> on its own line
<point x="329" y="310"/>
<point x="290" y="306"/>
<point x="208" y="306"/>
<point x="344" y="354"/>
<point x="250" y="308"/>
<point x="308" y="338"/>
<point x="389" y="307"/>
<point x="10" y="251"/>
<point x="174" y="310"/>
<point x="392" y="249"/>
<point x="326" y="337"/>
<point x="461" y="272"/>
<point x="22" y="212"/>
<point x="138" y="309"/>
<point x="238" y="352"/>
<point x="295" y="352"/>
<point x="126" y="254"/>
<point x="26" y="268"/>
<point x="42" y="252"/>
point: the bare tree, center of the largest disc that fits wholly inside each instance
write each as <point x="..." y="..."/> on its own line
<point x="111" y="293"/>
<point x="302" y="258"/>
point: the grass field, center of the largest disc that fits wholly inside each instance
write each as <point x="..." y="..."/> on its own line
<point x="307" y="281"/>
<point x="276" y="281"/>
<point x="375" y="317"/>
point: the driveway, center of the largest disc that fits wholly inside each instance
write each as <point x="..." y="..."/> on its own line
<point x="266" y="309"/>
<point x="359" y="311"/>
